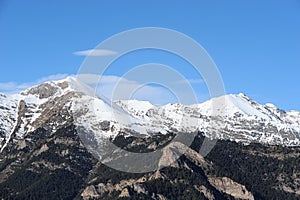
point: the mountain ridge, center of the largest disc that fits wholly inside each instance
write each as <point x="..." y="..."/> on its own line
<point x="239" y="118"/>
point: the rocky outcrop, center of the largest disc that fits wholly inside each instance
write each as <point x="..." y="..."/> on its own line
<point x="124" y="193"/>
<point x="42" y="149"/>
<point x="45" y="90"/>
<point x="172" y="152"/>
<point x="161" y="197"/>
<point x="168" y="158"/>
<point x="122" y="187"/>
<point x="55" y="110"/>
<point x="90" y="193"/>
<point x="230" y="187"/>
<point x="206" y="192"/>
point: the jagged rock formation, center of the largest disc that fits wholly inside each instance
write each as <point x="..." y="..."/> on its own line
<point x="230" y="187"/>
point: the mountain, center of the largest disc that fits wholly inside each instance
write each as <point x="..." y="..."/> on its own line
<point x="233" y="117"/>
<point x="53" y="135"/>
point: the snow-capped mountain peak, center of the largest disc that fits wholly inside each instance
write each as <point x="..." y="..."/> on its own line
<point x="231" y="104"/>
<point x="51" y="104"/>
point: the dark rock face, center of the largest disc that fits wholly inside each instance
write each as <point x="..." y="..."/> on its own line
<point x="105" y="126"/>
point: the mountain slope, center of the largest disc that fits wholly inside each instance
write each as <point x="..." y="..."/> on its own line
<point x="240" y="119"/>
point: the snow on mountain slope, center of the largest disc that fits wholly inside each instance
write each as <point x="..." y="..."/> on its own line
<point x="134" y="107"/>
<point x="229" y="105"/>
<point x="233" y="117"/>
<point x="293" y="117"/>
<point x="8" y="107"/>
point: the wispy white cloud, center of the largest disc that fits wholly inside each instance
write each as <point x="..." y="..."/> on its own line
<point x="120" y="88"/>
<point x="95" y="52"/>
<point x="8" y="86"/>
<point x="14" y="87"/>
<point x="115" y="87"/>
<point x="53" y="77"/>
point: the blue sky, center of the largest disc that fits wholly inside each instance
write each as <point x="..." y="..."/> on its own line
<point x="255" y="44"/>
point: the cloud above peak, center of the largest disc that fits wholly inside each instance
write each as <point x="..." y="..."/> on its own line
<point x="14" y="87"/>
<point x="95" y="52"/>
<point x="119" y="88"/>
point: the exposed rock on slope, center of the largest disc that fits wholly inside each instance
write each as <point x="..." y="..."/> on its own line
<point x="232" y="188"/>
